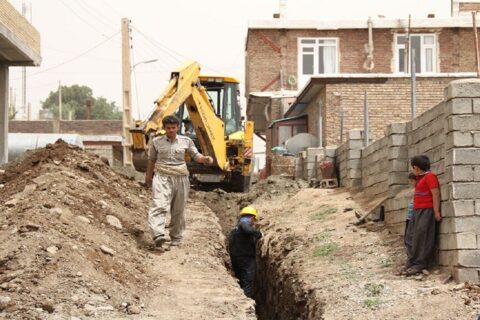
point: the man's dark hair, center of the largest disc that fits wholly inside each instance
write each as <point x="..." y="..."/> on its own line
<point x="412" y="176"/>
<point x="170" y="120"/>
<point x="422" y="162"/>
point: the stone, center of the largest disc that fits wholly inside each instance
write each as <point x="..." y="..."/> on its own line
<point x="11" y="203"/>
<point x="83" y="219"/>
<point x="57" y="211"/>
<point x="79" y="274"/>
<point x="133" y="310"/>
<point x="103" y="204"/>
<point x="52" y="250"/>
<point x="107" y="250"/>
<point x="6" y="303"/>
<point x="114" y="221"/>
<point x="31" y="227"/>
<point x="2" y="186"/>
<point x="2" y="171"/>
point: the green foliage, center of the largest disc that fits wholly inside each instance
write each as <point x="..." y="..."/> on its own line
<point x="373" y="289"/>
<point x="324" y="212"/>
<point x="325" y="249"/>
<point x="372" y="302"/>
<point x="74" y="99"/>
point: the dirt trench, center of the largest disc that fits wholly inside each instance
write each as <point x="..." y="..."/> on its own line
<point x="279" y="292"/>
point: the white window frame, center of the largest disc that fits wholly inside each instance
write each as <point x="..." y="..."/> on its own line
<point x="434" y="46"/>
<point x="315" y="55"/>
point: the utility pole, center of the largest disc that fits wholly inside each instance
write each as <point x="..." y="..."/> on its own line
<point x="24" y="71"/>
<point x="365" y="120"/>
<point x="127" y="93"/>
<point x="413" y="82"/>
<point x="59" y="100"/>
<point x="475" y="34"/>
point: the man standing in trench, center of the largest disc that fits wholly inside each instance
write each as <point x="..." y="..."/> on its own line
<point x="168" y="175"/>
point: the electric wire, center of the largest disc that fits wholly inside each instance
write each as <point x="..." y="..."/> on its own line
<point x="82" y="19"/>
<point x="73" y="58"/>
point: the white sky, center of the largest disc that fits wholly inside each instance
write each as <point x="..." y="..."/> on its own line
<point x="210" y="31"/>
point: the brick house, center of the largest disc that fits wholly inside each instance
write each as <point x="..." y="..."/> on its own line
<point x="332" y="63"/>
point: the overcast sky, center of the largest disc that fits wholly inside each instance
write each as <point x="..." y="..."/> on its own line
<point x="210" y="31"/>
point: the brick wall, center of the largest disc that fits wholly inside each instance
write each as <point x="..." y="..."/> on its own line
<point x="83" y="127"/>
<point x="269" y="51"/>
<point x="388" y="102"/>
<point x="19" y="26"/>
<point x="449" y="135"/>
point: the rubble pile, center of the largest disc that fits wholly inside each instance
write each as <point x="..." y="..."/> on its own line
<point x="73" y="237"/>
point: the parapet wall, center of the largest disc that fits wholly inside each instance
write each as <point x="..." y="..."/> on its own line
<point x="449" y="134"/>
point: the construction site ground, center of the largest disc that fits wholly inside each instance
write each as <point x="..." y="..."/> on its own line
<point x="75" y="245"/>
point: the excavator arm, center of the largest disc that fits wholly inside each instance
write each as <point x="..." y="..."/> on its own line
<point x="185" y="87"/>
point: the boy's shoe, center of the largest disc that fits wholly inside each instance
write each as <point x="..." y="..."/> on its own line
<point x="159" y="241"/>
<point x="413" y="271"/>
<point x="173" y="245"/>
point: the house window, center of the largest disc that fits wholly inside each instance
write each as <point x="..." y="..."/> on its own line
<point x="317" y="56"/>
<point x="425" y="46"/>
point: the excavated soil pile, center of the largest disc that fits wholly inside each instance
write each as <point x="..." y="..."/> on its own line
<point x="71" y="234"/>
<point x="75" y="246"/>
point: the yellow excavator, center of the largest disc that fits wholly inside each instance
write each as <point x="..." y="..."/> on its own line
<point x="210" y="114"/>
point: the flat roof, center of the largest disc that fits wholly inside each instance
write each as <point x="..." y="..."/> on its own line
<point x="377" y="23"/>
<point x="19" y="40"/>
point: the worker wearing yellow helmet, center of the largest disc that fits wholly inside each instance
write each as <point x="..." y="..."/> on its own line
<point x="242" y="243"/>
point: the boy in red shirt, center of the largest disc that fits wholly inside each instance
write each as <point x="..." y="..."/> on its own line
<point x="426" y="203"/>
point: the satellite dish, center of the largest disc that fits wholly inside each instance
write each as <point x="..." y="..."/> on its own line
<point x="292" y="80"/>
<point x="300" y="142"/>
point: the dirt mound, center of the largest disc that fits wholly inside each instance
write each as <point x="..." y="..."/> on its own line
<point x="72" y="233"/>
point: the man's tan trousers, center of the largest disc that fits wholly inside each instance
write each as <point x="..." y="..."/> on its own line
<point x="169" y="195"/>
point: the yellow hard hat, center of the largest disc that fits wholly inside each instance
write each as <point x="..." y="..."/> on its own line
<point x="249" y="211"/>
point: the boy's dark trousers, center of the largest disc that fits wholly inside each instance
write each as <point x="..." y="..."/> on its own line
<point x="423" y="225"/>
<point x="244" y="268"/>
<point x="408" y="238"/>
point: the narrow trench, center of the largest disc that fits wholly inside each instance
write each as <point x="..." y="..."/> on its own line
<point x="275" y="295"/>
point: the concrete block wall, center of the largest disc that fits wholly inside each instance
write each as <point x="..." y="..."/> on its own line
<point x="353" y="163"/>
<point x="374" y="173"/>
<point x="449" y="134"/>
<point x="460" y="228"/>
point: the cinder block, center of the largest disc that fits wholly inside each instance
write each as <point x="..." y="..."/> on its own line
<point x="458" y="208"/>
<point x="460" y="173"/>
<point x="464" y="88"/>
<point x="469" y="258"/>
<point x="459" y="106"/>
<point x="397" y="178"/>
<point x="397" y="128"/>
<point x="355" y="173"/>
<point x="398" y="165"/>
<point x="459" y="156"/>
<point x="465" y="190"/>
<point x="477" y="207"/>
<point x="394" y="190"/>
<point x="465" y="275"/>
<point x="476" y="105"/>
<point x="355" y="163"/>
<point x="446" y="226"/>
<point x="458" y="139"/>
<point x="447" y="258"/>
<point x="355" y="183"/>
<point x="397" y="140"/>
<point x="355" y="134"/>
<point x="466" y="224"/>
<point x="355" y="144"/>
<point x="397" y="153"/>
<point x="354" y="154"/>
<point x="465" y="240"/>
<point x="463" y="122"/>
<point x="331" y="151"/>
<point x="476" y="139"/>
<point x="447" y="242"/>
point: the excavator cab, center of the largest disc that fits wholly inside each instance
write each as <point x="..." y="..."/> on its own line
<point x="224" y="96"/>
